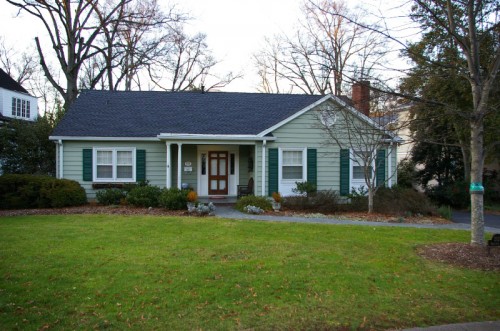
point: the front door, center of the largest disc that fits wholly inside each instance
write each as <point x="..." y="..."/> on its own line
<point x="217" y="173"/>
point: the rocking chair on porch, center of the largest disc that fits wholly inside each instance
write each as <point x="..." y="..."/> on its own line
<point x="244" y="190"/>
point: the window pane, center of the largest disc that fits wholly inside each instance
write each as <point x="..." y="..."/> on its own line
<point x="292" y="158"/>
<point x="105" y="157"/>
<point x="124" y="157"/>
<point x="28" y="109"/>
<point x="222" y="167"/>
<point x="213" y="167"/>
<point x="231" y="164"/>
<point x="104" y="172"/>
<point x="358" y="172"/>
<point x="203" y="164"/>
<point x="124" y="172"/>
<point x="13" y="106"/>
<point x="292" y="172"/>
<point x="18" y="107"/>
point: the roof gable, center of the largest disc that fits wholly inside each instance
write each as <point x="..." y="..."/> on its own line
<point x="9" y="83"/>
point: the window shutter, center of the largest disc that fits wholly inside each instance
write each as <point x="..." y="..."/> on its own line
<point x="380" y="163"/>
<point x="87" y="165"/>
<point x="273" y="171"/>
<point x="312" y="166"/>
<point x="140" y="165"/>
<point x="344" y="171"/>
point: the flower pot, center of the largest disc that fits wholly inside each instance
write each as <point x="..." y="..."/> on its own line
<point x="276" y="206"/>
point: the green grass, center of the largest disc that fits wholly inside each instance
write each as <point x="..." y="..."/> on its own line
<point x="141" y="272"/>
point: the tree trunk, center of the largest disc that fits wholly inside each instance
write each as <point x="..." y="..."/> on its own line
<point x="371" y="193"/>
<point x="476" y="176"/>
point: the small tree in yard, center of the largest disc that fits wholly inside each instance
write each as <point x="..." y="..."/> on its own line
<point x="362" y="142"/>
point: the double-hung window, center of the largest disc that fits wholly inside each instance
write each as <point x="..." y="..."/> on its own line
<point x="292" y="166"/>
<point x="114" y="164"/>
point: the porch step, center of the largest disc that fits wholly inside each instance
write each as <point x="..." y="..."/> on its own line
<point x="218" y="200"/>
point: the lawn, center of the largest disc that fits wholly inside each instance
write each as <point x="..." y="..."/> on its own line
<point x="146" y="272"/>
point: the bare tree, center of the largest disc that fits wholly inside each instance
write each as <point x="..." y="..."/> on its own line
<point x="325" y="48"/>
<point x="72" y="27"/>
<point x="21" y="66"/>
<point x="366" y="145"/>
<point x="472" y="26"/>
<point x="184" y="63"/>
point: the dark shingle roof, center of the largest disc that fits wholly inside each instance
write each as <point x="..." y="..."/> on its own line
<point x="10" y="84"/>
<point x="147" y="114"/>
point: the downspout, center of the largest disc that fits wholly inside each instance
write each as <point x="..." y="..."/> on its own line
<point x="61" y="158"/>
<point x="389" y="166"/>
<point x="169" y="164"/>
<point x="263" y="174"/>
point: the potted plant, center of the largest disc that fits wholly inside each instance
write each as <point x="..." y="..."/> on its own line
<point x="276" y="201"/>
<point x="191" y="200"/>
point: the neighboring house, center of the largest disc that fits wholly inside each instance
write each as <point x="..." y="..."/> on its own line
<point x="210" y="142"/>
<point x="15" y="101"/>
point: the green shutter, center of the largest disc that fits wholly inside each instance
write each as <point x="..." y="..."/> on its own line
<point x="273" y="171"/>
<point x="380" y="164"/>
<point x="312" y="166"/>
<point x="140" y="165"/>
<point x="87" y="165"/>
<point x="344" y="171"/>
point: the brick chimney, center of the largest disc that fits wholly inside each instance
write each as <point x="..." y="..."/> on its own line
<point x="361" y="96"/>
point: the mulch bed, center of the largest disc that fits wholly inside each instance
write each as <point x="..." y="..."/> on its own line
<point x="95" y="209"/>
<point x="359" y="216"/>
<point x="462" y="255"/>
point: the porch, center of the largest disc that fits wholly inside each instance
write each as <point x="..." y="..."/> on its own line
<point x="214" y="171"/>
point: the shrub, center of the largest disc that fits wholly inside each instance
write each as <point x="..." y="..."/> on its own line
<point x="28" y="191"/>
<point x="173" y="199"/>
<point x="111" y="196"/>
<point x="304" y="188"/>
<point x="402" y="201"/>
<point x="144" y="196"/>
<point x="445" y="212"/>
<point x="322" y="202"/>
<point x="251" y="200"/>
<point x="455" y="194"/>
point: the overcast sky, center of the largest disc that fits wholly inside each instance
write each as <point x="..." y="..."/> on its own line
<point x="236" y="29"/>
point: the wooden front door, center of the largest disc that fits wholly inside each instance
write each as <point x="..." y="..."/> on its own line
<point x="217" y="173"/>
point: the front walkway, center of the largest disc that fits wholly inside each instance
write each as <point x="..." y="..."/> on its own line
<point x="226" y="211"/>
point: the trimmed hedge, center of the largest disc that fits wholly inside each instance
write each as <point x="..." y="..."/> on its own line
<point x="173" y="199"/>
<point x="144" y="196"/>
<point x="29" y="191"/>
<point x="251" y="200"/>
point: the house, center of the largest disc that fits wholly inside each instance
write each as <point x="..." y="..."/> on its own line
<point x="210" y="142"/>
<point x="15" y="101"/>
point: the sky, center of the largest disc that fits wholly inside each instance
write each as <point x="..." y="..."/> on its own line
<point x="235" y="29"/>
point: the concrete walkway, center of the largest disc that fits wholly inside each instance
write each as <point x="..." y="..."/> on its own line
<point x="477" y="326"/>
<point x="225" y="211"/>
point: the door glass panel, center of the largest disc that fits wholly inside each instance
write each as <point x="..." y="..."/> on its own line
<point x="222" y="165"/>
<point x="213" y="167"/>
<point x="213" y="185"/>
<point x="222" y="184"/>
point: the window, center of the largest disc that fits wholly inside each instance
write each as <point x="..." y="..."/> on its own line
<point x="21" y="108"/>
<point x="114" y="164"/>
<point x="292" y="165"/>
<point x="358" y="165"/>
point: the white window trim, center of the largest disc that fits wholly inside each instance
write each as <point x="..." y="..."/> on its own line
<point x="280" y="165"/>
<point x="353" y="163"/>
<point x="114" y="164"/>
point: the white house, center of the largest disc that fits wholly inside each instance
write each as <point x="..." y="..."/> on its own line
<point x="15" y="101"/>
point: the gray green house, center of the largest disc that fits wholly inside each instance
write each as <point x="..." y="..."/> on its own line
<point x="210" y="142"/>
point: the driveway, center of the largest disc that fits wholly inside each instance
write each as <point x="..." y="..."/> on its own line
<point x="463" y="217"/>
